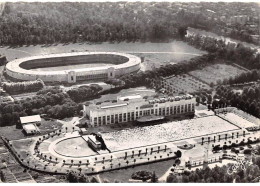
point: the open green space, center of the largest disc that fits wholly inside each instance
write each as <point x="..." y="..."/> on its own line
<point x="13" y="133"/>
<point x="216" y="73"/>
<point x="123" y="175"/>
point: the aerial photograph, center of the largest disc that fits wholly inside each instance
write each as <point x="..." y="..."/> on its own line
<point x="129" y="92"/>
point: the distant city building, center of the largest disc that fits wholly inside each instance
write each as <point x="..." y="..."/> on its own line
<point x="131" y="108"/>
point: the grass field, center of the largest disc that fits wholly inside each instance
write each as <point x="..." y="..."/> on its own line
<point x="123" y="175"/>
<point x="69" y="67"/>
<point x="155" y="54"/>
<point x="214" y="73"/>
<point x="12" y="133"/>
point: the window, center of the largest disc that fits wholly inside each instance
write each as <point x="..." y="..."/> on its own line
<point x="120" y="117"/>
<point x="112" y="118"/>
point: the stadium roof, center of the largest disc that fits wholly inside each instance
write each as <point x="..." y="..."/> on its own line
<point x="14" y="66"/>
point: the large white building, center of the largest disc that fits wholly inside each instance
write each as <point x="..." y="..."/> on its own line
<point x="130" y="108"/>
<point x="118" y="64"/>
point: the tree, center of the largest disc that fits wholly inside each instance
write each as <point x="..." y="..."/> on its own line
<point x="72" y="178"/>
<point x="198" y="99"/>
<point x="154" y="178"/>
<point x="94" y="180"/>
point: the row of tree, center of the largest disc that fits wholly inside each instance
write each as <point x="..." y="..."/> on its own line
<point x="145" y="78"/>
<point x="23" y="87"/>
<point x="248" y="100"/>
<point x="245" y="77"/>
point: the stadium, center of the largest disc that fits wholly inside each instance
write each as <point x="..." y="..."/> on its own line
<point x="116" y="64"/>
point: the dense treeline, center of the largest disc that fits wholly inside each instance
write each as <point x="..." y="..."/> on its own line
<point x="245" y="77"/>
<point x="50" y="101"/>
<point x="22" y="87"/>
<point x="42" y="23"/>
<point x="3" y="60"/>
<point x="248" y="100"/>
<point x="84" y="93"/>
<point x="238" y="54"/>
<point x="219" y="175"/>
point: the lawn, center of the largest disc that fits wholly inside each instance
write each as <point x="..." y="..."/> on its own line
<point x="12" y="133"/>
<point x="123" y="175"/>
<point x="216" y="72"/>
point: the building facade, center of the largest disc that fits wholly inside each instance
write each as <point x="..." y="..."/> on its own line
<point x="126" y="110"/>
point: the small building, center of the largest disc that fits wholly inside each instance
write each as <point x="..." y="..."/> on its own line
<point x="30" y="123"/>
<point x="93" y="142"/>
<point x="30" y="129"/>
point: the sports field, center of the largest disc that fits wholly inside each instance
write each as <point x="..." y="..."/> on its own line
<point x="69" y="67"/>
<point x="172" y="131"/>
<point x="217" y="72"/>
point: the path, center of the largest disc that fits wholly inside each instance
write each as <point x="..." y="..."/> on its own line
<point x="20" y="51"/>
<point x="187" y="53"/>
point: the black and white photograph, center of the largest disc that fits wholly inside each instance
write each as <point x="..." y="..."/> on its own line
<point x="129" y="91"/>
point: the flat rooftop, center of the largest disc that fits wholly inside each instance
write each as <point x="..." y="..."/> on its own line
<point x="124" y="101"/>
<point x="30" y="119"/>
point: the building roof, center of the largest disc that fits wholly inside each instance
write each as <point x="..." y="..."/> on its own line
<point x="94" y="139"/>
<point x="30" y="119"/>
<point x="29" y="128"/>
<point x="146" y="103"/>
